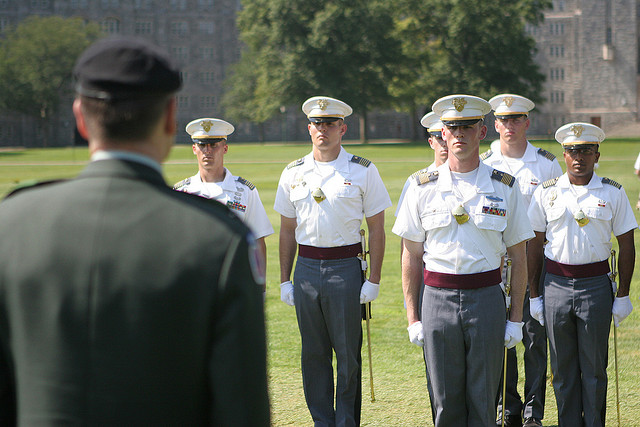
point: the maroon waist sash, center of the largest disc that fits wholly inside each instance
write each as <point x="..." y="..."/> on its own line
<point x="462" y="281"/>
<point x="337" y="252"/>
<point x="577" y="271"/>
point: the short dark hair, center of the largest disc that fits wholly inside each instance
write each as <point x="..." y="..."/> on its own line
<point x="123" y="120"/>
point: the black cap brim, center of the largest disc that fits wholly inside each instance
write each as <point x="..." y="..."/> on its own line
<point x="461" y="122"/>
<point x="323" y="119"/>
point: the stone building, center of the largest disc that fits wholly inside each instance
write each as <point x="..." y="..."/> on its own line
<point x="588" y="50"/>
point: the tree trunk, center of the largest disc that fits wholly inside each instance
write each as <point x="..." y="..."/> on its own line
<point x="364" y="137"/>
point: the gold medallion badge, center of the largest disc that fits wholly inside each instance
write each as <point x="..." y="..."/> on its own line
<point x="459" y="103"/>
<point x="460" y="214"/>
<point x="318" y="195"/>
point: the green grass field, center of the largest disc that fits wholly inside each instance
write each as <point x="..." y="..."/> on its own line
<point x="398" y="369"/>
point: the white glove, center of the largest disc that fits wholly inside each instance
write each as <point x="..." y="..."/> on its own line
<point x="536" y="309"/>
<point x="368" y="292"/>
<point x="286" y="293"/>
<point x="416" y="335"/>
<point x="621" y="309"/>
<point x="513" y="333"/>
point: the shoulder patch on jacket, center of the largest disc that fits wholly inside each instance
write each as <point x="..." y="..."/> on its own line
<point x="418" y="172"/>
<point x="611" y="182"/>
<point x="31" y="183"/>
<point x="503" y="177"/>
<point x="484" y="156"/>
<point x="295" y="163"/>
<point x="550" y="182"/>
<point x="249" y="184"/>
<point x="546" y="154"/>
<point x="183" y="183"/>
<point x="422" y="177"/>
<point x="361" y="161"/>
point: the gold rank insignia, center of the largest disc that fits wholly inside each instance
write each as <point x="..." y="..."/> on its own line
<point x="318" y="195"/>
<point x="581" y="218"/>
<point x="460" y="214"/>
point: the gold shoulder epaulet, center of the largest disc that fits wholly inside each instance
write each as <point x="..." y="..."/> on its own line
<point x="249" y="184"/>
<point x="550" y="182"/>
<point x="546" y="154"/>
<point x="424" y="176"/>
<point x="484" y="156"/>
<point x="503" y="177"/>
<point x="183" y="183"/>
<point x="295" y="163"/>
<point x="361" y="161"/>
<point x="611" y="182"/>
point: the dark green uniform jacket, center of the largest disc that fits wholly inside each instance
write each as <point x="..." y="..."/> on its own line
<point x="126" y="303"/>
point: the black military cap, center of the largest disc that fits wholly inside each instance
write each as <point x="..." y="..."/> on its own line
<point x="121" y="68"/>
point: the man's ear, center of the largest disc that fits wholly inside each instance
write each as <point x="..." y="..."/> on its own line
<point x="80" y="122"/>
<point x="171" y="126"/>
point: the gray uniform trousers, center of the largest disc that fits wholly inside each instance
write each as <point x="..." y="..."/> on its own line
<point x="534" y="339"/>
<point x="327" y="302"/>
<point x="577" y="315"/>
<point x="463" y="348"/>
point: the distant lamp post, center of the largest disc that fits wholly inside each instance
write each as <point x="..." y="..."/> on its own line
<point x="283" y="110"/>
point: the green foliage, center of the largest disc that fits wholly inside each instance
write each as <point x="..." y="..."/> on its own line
<point x="466" y="46"/>
<point x="36" y="60"/>
<point x="297" y="49"/>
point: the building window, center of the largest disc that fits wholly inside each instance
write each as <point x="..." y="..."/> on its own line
<point x="208" y="102"/>
<point x="110" y="26"/>
<point x="556" y="51"/>
<point x="183" y="101"/>
<point x="143" y="27"/>
<point x="205" y="3"/>
<point x="205" y="53"/>
<point x="180" y="53"/>
<point x="207" y="77"/>
<point x="557" y="97"/>
<point x="179" y="28"/>
<point x="556" y="74"/>
<point x="205" y="27"/>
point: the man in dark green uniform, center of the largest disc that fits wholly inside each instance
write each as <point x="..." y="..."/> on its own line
<point x="122" y="301"/>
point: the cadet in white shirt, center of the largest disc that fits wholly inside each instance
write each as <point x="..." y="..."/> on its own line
<point x="531" y="166"/>
<point x="214" y="181"/>
<point x="577" y="213"/>
<point x="322" y="199"/>
<point x="458" y="220"/>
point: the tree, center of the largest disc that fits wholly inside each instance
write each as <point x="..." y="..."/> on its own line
<point x="296" y="49"/>
<point x="466" y="46"/>
<point x="36" y="61"/>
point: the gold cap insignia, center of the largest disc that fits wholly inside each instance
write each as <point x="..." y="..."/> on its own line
<point x="323" y="104"/>
<point x="206" y="125"/>
<point x="508" y="101"/>
<point x="577" y="130"/>
<point x="459" y="103"/>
